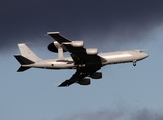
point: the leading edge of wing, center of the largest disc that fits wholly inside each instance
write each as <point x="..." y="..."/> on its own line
<point x="60" y="39"/>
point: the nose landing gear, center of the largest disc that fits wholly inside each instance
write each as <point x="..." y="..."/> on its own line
<point x="134" y="63"/>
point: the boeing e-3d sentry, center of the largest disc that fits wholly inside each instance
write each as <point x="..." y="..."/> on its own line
<point x="86" y="61"/>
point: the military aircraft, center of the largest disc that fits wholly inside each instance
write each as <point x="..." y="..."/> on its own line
<point x="87" y="62"/>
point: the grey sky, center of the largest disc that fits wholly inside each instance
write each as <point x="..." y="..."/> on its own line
<point x="127" y="20"/>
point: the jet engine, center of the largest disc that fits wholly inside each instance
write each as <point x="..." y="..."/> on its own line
<point x="74" y="43"/>
<point x="92" y="51"/>
<point x="96" y="75"/>
<point x="54" y="46"/>
<point x="84" y="81"/>
<point x="77" y="43"/>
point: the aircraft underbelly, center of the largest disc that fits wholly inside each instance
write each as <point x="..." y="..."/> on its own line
<point x="54" y="65"/>
<point x="60" y="65"/>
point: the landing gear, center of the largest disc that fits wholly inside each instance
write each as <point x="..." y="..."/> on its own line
<point x="134" y="63"/>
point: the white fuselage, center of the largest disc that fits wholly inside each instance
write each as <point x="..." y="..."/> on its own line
<point x="123" y="56"/>
<point x="107" y="58"/>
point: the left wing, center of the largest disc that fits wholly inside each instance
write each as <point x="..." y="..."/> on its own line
<point x="86" y="64"/>
<point x="74" y="79"/>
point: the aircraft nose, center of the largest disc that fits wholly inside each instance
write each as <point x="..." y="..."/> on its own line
<point x="144" y="55"/>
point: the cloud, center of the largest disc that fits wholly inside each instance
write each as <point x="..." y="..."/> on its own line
<point x="146" y="115"/>
<point x="113" y="115"/>
<point x="120" y="21"/>
<point x="100" y="115"/>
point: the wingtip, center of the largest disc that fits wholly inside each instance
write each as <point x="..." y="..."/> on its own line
<point x="22" y="44"/>
<point x="63" y="85"/>
<point x="49" y="33"/>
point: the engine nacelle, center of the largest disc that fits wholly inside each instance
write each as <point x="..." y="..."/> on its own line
<point x="54" y="46"/>
<point x="84" y="81"/>
<point x="75" y="43"/>
<point x="96" y="75"/>
<point x="92" y="51"/>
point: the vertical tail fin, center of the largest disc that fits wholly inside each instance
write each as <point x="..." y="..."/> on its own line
<point x="26" y="58"/>
<point x="28" y="53"/>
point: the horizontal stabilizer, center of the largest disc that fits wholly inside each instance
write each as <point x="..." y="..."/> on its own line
<point x="22" y="60"/>
<point x="21" y="69"/>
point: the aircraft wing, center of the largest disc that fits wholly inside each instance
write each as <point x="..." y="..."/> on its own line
<point x="86" y="64"/>
<point x="77" y="53"/>
<point x="58" y="37"/>
<point x="79" y="76"/>
<point x="74" y="79"/>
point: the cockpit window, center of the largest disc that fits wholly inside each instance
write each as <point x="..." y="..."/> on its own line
<point x="139" y="51"/>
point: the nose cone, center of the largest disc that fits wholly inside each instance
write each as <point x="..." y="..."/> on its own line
<point x="144" y="55"/>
